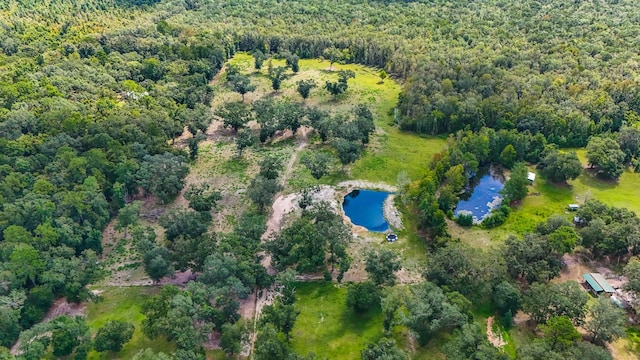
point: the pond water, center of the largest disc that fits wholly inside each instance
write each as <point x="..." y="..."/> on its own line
<point x="365" y="208"/>
<point x="482" y="194"/>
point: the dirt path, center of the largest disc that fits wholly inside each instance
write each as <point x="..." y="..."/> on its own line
<point x="280" y="208"/>
<point x="495" y="339"/>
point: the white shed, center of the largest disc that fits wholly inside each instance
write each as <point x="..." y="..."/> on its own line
<point x="531" y="176"/>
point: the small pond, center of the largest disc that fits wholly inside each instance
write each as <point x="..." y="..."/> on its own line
<point x="365" y="208"/>
<point x="482" y="194"/>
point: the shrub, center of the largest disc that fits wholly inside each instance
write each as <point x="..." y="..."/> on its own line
<point x="465" y="219"/>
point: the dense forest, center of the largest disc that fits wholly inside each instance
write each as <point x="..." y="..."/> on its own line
<point x="96" y="95"/>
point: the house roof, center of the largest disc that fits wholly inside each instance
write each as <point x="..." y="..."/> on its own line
<point x="531" y="176"/>
<point x="598" y="283"/>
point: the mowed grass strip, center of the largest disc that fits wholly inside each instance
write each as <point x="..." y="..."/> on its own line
<point x="327" y="327"/>
<point x="124" y="304"/>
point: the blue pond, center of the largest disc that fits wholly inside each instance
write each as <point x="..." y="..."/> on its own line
<point x="365" y="208"/>
<point x="482" y="195"/>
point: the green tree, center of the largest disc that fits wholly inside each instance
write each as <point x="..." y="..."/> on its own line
<point x="429" y="312"/>
<point x="383" y="349"/>
<point x="348" y="151"/>
<point x="516" y="187"/>
<point x="162" y="175"/>
<point x="383" y="75"/>
<point x="244" y="139"/>
<point x="559" y="333"/>
<point x="241" y="84"/>
<point x="632" y="272"/>
<point x="318" y="163"/>
<point x="201" y="198"/>
<point x="258" y="59"/>
<point x="333" y="55"/>
<point x="605" y="321"/>
<point x="544" y="301"/>
<point x="604" y="153"/>
<point x="560" y="167"/>
<point x="469" y="343"/>
<point x="282" y="316"/>
<point x="149" y="354"/>
<point x="361" y="297"/>
<point x="564" y="239"/>
<point x="276" y="75"/>
<point x="269" y="345"/>
<point x="270" y="167"/>
<point x="231" y="338"/>
<point x="113" y="335"/>
<point x="532" y="258"/>
<point x="128" y="216"/>
<point x="261" y="191"/>
<point x="304" y="87"/>
<point x="508" y="156"/>
<point x="235" y="115"/>
<point x="381" y="266"/>
<point x="506" y="298"/>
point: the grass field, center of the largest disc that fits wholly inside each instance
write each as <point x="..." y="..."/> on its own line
<point x="327" y="327"/>
<point x="123" y="303"/>
<point x="391" y="151"/>
<point x="546" y="199"/>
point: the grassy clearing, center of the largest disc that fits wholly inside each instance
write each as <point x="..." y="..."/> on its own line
<point x="124" y="303"/>
<point x="326" y="327"/>
<point x="391" y="150"/>
<point x="546" y="199"/>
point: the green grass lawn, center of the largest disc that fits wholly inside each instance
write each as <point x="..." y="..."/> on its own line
<point x="546" y="199"/>
<point x="326" y="327"/>
<point x="123" y="304"/>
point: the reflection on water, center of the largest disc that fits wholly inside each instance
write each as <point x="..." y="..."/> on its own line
<point x="482" y="194"/>
<point x="365" y="208"/>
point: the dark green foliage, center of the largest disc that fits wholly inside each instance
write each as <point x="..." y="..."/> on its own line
<point x="231" y="336"/>
<point x="282" y="316"/>
<point x="465" y="219"/>
<point x="304" y="87"/>
<point x="113" y="335"/>
<point x="497" y="217"/>
<point x="516" y="187"/>
<point x="381" y="266"/>
<point x="262" y="190"/>
<point x="470" y="342"/>
<point x="608" y="230"/>
<point x="544" y="301"/>
<point x="270" y="345"/>
<point x="532" y="258"/>
<point x="559" y="333"/>
<point x="201" y="198"/>
<point x="429" y="312"/>
<point x="362" y="297"/>
<point x="184" y="222"/>
<point x="235" y="115"/>
<point x="560" y="166"/>
<point x="506" y="298"/>
<point x="276" y="75"/>
<point x="315" y="241"/>
<point x="162" y="175"/>
<point x="604" y="153"/>
<point x="270" y="167"/>
<point x="240" y="84"/>
<point x="339" y="87"/>
<point x="605" y="321"/>
<point x="318" y="163"/>
<point x="508" y="156"/>
<point x="244" y="140"/>
<point x="383" y="349"/>
<point x="348" y="151"/>
<point x="259" y="58"/>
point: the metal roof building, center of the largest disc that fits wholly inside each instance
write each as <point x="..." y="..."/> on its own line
<point x="598" y="284"/>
